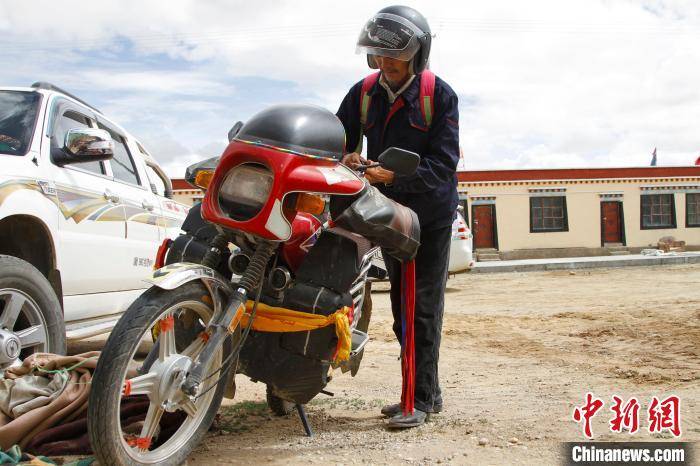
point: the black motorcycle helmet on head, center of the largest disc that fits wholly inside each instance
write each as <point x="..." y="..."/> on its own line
<point x="397" y="32"/>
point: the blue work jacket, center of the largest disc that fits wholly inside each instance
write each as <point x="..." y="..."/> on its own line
<point x="432" y="191"/>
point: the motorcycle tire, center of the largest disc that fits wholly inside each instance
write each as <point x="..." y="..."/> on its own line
<point x="111" y="444"/>
<point x="277" y="405"/>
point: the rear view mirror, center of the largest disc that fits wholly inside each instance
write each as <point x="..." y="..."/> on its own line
<point x="233" y="132"/>
<point x="85" y="145"/>
<point x="399" y="161"/>
<point x="91" y="143"/>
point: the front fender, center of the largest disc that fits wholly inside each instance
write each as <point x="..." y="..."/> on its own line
<point x="174" y="275"/>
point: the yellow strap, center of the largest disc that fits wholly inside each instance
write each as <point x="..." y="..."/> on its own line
<point x="278" y="319"/>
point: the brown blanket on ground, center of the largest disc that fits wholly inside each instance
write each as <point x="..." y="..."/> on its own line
<point x="21" y="395"/>
<point x="45" y="413"/>
<point x="63" y="397"/>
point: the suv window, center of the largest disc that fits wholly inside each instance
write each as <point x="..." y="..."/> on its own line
<point x="157" y="183"/>
<point x="71" y="120"/>
<point x="155" y="179"/>
<point x="18" y="111"/>
<point x="123" y="167"/>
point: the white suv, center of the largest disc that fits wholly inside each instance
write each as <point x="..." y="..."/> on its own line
<point x="83" y="208"/>
<point x="461" y="257"/>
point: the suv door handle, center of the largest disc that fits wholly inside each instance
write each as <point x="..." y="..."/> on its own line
<point x="110" y="196"/>
<point x="147" y="205"/>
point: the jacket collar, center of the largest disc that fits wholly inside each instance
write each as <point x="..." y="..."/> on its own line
<point x="391" y="95"/>
<point x="410" y="94"/>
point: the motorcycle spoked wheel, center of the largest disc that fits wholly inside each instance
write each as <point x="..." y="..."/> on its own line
<point x="188" y="304"/>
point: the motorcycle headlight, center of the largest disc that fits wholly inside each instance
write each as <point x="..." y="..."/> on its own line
<point x="245" y="190"/>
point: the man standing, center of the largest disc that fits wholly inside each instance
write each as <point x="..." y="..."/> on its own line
<point x="406" y="106"/>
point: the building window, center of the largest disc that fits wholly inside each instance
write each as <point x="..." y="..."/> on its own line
<point x="548" y="213"/>
<point x="658" y="211"/>
<point x="692" y="210"/>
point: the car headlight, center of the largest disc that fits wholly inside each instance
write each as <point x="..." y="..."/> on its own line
<point x="245" y="190"/>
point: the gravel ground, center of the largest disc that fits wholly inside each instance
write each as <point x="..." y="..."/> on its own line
<point x="519" y="352"/>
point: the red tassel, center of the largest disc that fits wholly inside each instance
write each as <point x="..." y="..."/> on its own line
<point x="408" y="356"/>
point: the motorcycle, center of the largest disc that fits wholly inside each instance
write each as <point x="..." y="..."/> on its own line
<point x="285" y="235"/>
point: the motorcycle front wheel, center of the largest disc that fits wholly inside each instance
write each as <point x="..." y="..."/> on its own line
<point x="136" y="412"/>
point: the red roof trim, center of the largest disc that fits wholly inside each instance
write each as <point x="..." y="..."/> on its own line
<point x="577" y="173"/>
<point x="549" y="174"/>
<point x="180" y="183"/>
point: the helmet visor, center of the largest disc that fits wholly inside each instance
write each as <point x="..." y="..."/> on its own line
<point x="390" y="36"/>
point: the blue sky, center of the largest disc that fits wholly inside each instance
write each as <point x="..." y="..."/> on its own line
<point x="544" y="84"/>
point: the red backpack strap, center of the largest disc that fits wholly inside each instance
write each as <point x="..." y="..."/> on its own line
<point x="426" y="96"/>
<point x="365" y="100"/>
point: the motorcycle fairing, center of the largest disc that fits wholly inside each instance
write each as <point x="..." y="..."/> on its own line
<point x="291" y="173"/>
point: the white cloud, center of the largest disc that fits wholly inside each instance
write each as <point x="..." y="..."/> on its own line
<point x="547" y="83"/>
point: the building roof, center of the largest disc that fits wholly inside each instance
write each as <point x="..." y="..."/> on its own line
<point x="475" y="176"/>
<point x="180" y="183"/>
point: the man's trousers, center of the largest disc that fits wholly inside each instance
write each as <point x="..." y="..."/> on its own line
<point x="431" y="277"/>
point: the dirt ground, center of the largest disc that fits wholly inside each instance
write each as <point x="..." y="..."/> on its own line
<point x="519" y="351"/>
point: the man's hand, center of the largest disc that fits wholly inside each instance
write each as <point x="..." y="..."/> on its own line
<point x="354" y="160"/>
<point x="379" y="175"/>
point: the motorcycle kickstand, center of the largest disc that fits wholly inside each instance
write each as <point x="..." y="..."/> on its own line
<point x="304" y="420"/>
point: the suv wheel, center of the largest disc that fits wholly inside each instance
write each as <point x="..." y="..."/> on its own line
<point x="31" y="319"/>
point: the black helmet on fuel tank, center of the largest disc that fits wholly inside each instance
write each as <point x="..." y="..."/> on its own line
<point x="398" y="32"/>
<point x="298" y="128"/>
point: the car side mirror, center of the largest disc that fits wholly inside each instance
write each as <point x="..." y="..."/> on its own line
<point x="399" y="161"/>
<point x="85" y="145"/>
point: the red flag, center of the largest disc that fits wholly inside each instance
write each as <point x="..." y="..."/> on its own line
<point x="697" y="162"/>
<point x="408" y="346"/>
